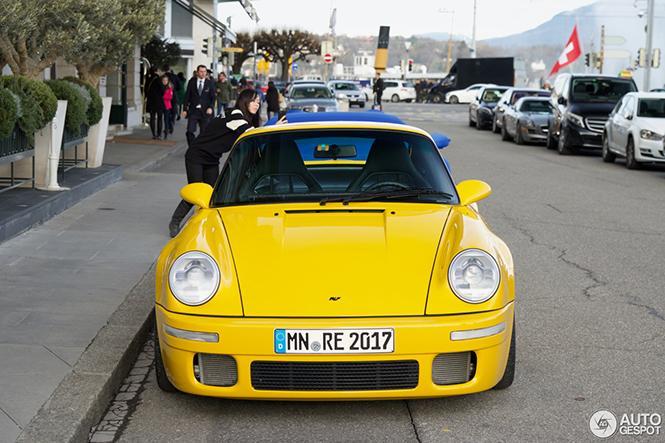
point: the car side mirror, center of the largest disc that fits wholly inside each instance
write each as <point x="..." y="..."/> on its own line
<point x="198" y="194"/>
<point x="628" y="116"/>
<point x="561" y="100"/>
<point x="472" y="191"/>
<point x="440" y="140"/>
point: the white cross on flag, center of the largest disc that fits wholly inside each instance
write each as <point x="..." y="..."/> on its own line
<point x="569" y="54"/>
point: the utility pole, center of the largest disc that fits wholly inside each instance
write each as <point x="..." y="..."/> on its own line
<point x="450" y="39"/>
<point x="649" y="55"/>
<point x="473" y="41"/>
<point x="602" y="47"/>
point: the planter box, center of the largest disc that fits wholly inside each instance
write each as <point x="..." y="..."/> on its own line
<point x="13" y="149"/>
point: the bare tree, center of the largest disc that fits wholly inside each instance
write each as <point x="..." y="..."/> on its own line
<point x="246" y="42"/>
<point x="288" y="44"/>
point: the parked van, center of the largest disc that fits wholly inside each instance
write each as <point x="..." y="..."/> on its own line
<point x="582" y="104"/>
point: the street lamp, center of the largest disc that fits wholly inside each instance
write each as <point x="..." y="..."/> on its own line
<point x="450" y="39"/>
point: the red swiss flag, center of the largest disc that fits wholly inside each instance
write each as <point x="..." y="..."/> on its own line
<point x="569" y="54"/>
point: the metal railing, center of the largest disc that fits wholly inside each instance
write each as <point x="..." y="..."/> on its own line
<point x="72" y="139"/>
<point x="13" y="148"/>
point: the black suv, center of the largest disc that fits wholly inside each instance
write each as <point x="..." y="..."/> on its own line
<point x="582" y="104"/>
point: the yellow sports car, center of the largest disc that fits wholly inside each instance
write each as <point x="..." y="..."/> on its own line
<point x="335" y="259"/>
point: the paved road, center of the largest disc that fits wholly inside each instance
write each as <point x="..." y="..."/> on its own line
<point x="588" y="242"/>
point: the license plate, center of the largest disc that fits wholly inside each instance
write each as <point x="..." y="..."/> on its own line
<point x="334" y="341"/>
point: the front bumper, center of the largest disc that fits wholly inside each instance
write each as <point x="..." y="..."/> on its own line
<point x="484" y="118"/>
<point x="418" y="339"/>
<point x="535" y="134"/>
<point x="584" y="138"/>
<point x="649" y="150"/>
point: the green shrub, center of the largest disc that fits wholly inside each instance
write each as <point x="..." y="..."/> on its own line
<point x="8" y="113"/>
<point x="30" y="116"/>
<point x="95" y="108"/>
<point x="45" y="100"/>
<point x="76" y="108"/>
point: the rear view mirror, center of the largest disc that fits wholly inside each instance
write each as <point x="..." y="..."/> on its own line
<point x="335" y="151"/>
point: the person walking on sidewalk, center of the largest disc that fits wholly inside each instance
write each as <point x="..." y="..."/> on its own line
<point x="272" y="100"/>
<point x="202" y="157"/>
<point x="199" y="100"/>
<point x="224" y="90"/>
<point x="180" y="94"/>
<point x="155" y="101"/>
<point x="378" y="88"/>
<point x="177" y="87"/>
<point x="168" y="105"/>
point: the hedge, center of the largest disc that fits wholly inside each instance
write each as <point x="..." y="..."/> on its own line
<point x="76" y="108"/>
<point x="8" y="113"/>
<point x="94" y="111"/>
<point x="36" y="105"/>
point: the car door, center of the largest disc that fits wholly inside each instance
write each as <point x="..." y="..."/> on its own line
<point x="470" y="93"/>
<point x="612" y="123"/>
<point x="623" y="122"/>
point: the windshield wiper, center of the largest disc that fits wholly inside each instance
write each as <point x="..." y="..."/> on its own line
<point x="391" y="194"/>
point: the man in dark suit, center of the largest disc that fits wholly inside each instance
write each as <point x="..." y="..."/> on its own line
<point x="199" y="101"/>
<point x="177" y="86"/>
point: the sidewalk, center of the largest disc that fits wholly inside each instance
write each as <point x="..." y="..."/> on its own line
<point x="68" y="328"/>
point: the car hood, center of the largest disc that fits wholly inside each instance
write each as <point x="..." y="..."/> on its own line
<point x="334" y="261"/>
<point x="320" y="102"/>
<point x="590" y="109"/>
<point x="489" y="105"/>
<point x="537" y="117"/>
<point x="656" y="125"/>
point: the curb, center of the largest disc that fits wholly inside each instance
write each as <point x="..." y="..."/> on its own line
<point x="80" y="400"/>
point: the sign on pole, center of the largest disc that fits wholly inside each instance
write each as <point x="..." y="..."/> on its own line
<point x="294" y="67"/>
<point x="616" y="53"/>
<point x="327" y="58"/>
<point x="614" y="40"/>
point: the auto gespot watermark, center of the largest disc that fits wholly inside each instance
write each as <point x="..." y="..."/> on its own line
<point x="605" y="424"/>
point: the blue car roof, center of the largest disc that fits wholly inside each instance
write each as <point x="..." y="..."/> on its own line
<point x="296" y="116"/>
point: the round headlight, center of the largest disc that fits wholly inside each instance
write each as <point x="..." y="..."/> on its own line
<point x="474" y="276"/>
<point x="341" y="95"/>
<point x="194" y="278"/>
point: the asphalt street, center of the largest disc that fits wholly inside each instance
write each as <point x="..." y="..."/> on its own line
<point x="587" y="238"/>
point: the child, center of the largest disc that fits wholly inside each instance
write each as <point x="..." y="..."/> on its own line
<point x="168" y="96"/>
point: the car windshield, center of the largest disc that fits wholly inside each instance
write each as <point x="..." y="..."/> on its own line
<point x="600" y="90"/>
<point x="326" y="165"/>
<point x="536" y="106"/>
<point x="492" y="95"/>
<point x="651" y="107"/>
<point x="311" y="92"/>
<point x="519" y="94"/>
<point x="346" y="87"/>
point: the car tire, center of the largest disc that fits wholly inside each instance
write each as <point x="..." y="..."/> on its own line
<point x="562" y="147"/>
<point x="509" y="372"/>
<point x="408" y="100"/>
<point x="551" y="143"/>
<point x="394" y="98"/>
<point x="608" y="156"/>
<point x="362" y="105"/>
<point x="495" y="128"/>
<point x="518" y="135"/>
<point x="453" y="99"/>
<point x="504" y="134"/>
<point x="437" y="98"/>
<point x="631" y="162"/>
<point x="160" y="371"/>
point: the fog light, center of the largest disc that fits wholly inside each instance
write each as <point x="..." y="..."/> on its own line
<point x="478" y="333"/>
<point x="209" y="337"/>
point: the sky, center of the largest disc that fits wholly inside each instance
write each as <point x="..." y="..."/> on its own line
<point x="494" y="18"/>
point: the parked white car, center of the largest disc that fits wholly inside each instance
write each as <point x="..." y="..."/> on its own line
<point x="394" y="91"/>
<point x="636" y="130"/>
<point x="464" y="95"/>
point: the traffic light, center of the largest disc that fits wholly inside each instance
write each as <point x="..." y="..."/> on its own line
<point x="587" y="62"/>
<point x="205" y="46"/>
<point x="655" y="61"/>
<point x="410" y="62"/>
<point x="641" y="57"/>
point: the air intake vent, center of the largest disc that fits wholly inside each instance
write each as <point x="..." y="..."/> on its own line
<point x="334" y="376"/>
<point x="217" y="370"/>
<point x="453" y="369"/>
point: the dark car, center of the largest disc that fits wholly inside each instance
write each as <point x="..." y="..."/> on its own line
<point x="527" y="120"/>
<point x="481" y="109"/>
<point x="582" y="104"/>
<point x="509" y="98"/>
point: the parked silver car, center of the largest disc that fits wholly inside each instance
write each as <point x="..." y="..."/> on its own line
<point x="311" y="97"/>
<point x="344" y="90"/>
<point x="526" y="120"/>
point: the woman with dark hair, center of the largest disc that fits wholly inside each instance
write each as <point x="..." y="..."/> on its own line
<point x="181" y="94"/>
<point x="154" y="93"/>
<point x="202" y="157"/>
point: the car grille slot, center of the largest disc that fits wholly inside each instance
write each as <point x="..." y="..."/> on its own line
<point x="596" y="124"/>
<point x="452" y="369"/>
<point x="334" y="376"/>
<point x="217" y="370"/>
